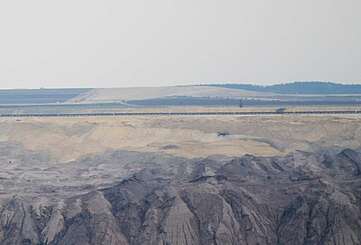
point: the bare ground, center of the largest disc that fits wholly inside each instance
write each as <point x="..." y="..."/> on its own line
<point x="180" y="180"/>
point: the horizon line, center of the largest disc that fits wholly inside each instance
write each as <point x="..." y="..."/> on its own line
<point x="185" y="85"/>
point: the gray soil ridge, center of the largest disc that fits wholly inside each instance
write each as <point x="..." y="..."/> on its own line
<point x="300" y="198"/>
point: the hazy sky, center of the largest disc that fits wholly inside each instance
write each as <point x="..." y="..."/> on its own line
<point x="107" y="43"/>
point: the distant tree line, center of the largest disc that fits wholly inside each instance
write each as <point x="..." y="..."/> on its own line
<point x="298" y="88"/>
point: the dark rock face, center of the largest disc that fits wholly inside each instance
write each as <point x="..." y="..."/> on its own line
<point x="299" y="199"/>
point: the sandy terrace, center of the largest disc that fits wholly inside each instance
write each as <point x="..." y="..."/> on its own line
<point x="66" y="139"/>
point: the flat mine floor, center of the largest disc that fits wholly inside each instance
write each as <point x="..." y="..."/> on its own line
<point x="67" y="139"/>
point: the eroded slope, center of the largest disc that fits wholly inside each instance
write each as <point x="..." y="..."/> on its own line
<point x="302" y="198"/>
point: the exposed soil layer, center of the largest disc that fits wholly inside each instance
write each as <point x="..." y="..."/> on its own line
<point x="300" y="198"/>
